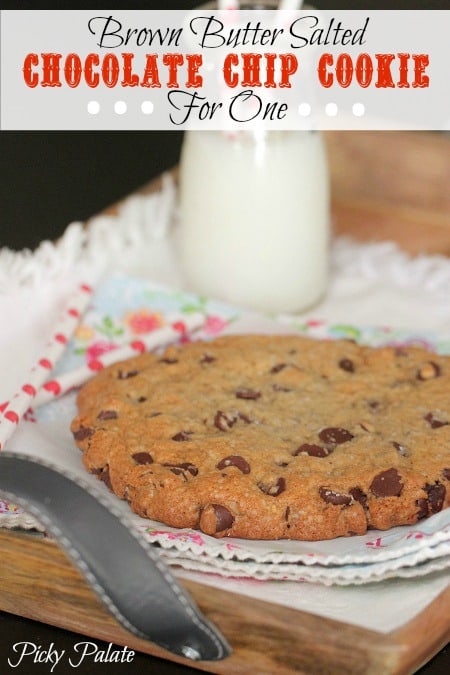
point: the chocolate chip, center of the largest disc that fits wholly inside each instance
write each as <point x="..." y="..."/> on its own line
<point x="103" y="475"/>
<point x="141" y="399"/>
<point x="359" y="496"/>
<point x="215" y="518"/>
<point x="183" y="468"/>
<point x="311" y="449"/>
<point x="332" y="497"/>
<point x="278" y="368"/>
<point x="446" y="473"/>
<point x="168" y="360"/>
<point x="249" y="394"/>
<point x="142" y="458"/>
<point x="347" y="365"/>
<point x="422" y="508"/>
<point x="287" y="513"/>
<point x="187" y="466"/>
<point x="428" y="371"/>
<point x="374" y="404"/>
<point x="207" y="358"/>
<point x="82" y="433"/>
<point x="279" y="387"/>
<point x="224" y="421"/>
<point x="274" y="489"/>
<point x="234" y="460"/>
<point x="107" y="415"/>
<point x="182" y="436"/>
<point x="125" y="375"/>
<point x="434" y="422"/>
<point x="387" y="484"/>
<point x="401" y="449"/>
<point x="335" y="435"/>
<point x="436" y="496"/>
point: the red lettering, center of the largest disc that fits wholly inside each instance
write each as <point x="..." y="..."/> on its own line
<point x="270" y="70"/>
<point x="31" y="79"/>
<point x="173" y="61"/>
<point x="251" y="69"/>
<point x="130" y="79"/>
<point x="73" y="70"/>
<point x="92" y="78"/>
<point x="384" y="80"/>
<point x="194" y="62"/>
<point x="325" y="78"/>
<point x="151" y="77"/>
<point x="421" y="61"/>
<point x="364" y="70"/>
<point x="289" y="65"/>
<point x="231" y="78"/>
<point x="344" y="70"/>
<point x="50" y="70"/>
<point x="110" y="70"/>
<point x="403" y="70"/>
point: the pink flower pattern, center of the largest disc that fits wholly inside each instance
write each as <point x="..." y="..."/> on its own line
<point x="98" y="348"/>
<point x="143" y="321"/>
<point x="214" y="325"/>
<point x="188" y="537"/>
<point x="5" y="507"/>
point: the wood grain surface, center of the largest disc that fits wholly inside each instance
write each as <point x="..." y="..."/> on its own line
<point x="41" y="583"/>
<point x="392" y="186"/>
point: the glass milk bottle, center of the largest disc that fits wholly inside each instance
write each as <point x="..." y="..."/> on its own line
<point x="254" y="217"/>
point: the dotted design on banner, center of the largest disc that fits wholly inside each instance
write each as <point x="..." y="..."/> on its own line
<point x="331" y="109"/>
<point x="358" y="109"/>
<point x="93" y="107"/>
<point x="120" y="107"/>
<point x="147" y="107"/>
<point x="304" y="109"/>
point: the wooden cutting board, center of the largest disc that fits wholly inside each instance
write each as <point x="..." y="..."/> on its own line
<point x="385" y="185"/>
<point x="38" y="581"/>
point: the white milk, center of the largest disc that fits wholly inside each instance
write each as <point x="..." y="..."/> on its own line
<point x="254" y="218"/>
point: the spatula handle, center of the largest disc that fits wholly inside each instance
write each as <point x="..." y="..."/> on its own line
<point x="123" y="569"/>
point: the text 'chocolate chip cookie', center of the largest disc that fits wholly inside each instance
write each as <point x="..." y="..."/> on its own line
<point x="270" y="437"/>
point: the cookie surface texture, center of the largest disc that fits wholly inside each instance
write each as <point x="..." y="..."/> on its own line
<point x="269" y="437"/>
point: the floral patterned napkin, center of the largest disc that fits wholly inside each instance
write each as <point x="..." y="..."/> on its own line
<point x="125" y="308"/>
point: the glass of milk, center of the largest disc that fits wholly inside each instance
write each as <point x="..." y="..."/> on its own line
<point x="254" y="222"/>
<point x="254" y="218"/>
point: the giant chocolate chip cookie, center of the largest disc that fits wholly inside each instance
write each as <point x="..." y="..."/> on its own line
<point x="267" y="437"/>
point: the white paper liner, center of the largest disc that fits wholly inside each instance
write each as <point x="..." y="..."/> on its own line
<point x="414" y="568"/>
